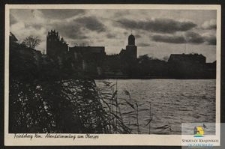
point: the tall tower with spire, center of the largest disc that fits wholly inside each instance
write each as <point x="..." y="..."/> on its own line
<point x="131" y="48"/>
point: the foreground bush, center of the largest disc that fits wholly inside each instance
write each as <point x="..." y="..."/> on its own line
<point x="67" y="106"/>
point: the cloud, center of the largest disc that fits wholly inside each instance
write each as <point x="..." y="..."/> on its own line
<point x="210" y="40"/>
<point x="79" y="28"/>
<point x="193" y="37"/>
<point x="61" y="13"/>
<point x="101" y="28"/>
<point x="118" y="14"/>
<point x="71" y="24"/>
<point x="168" y="39"/>
<point x="70" y="30"/>
<point x="38" y="17"/>
<point x="137" y="36"/>
<point x="109" y="35"/>
<point x="36" y="26"/>
<point x="13" y="20"/>
<point x="83" y="42"/>
<point x="91" y="23"/>
<point x="157" y="25"/>
<point x="211" y="24"/>
<point x="189" y="37"/>
<point x="21" y="31"/>
<point x="143" y="45"/>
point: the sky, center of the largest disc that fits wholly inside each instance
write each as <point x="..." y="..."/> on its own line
<point x="158" y="33"/>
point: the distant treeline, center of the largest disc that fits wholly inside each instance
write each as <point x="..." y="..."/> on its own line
<point x="146" y="67"/>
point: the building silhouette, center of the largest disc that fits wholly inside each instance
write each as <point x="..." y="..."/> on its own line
<point x="131" y="48"/>
<point x="80" y="58"/>
<point x="90" y="58"/>
<point x="190" y="66"/>
<point x="93" y="61"/>
<point x="56" y="46"/>
<point x="187" y="58"/>
<point x="130" y="53"/>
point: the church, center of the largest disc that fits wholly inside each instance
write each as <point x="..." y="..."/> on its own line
<point x="130" y="53"/>
<point x="58" y="48"/>
<point x="89" y="59"/>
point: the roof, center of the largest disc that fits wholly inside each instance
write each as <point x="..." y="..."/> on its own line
<point x="91" y="49"/>
<point x="186" y="57"/>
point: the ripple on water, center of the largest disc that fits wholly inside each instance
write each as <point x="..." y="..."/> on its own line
<point x="173" y="102"/>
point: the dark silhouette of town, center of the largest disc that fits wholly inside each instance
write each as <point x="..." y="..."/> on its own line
<point x="93" y="62"/>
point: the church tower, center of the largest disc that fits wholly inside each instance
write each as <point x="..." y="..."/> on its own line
<point x="55" y="46"/>
<point x="131" y="48"/>
<point x="131" y="40"/>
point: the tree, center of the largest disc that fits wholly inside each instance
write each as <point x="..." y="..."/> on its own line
<point x="31" y="41"/>
<point x="144" y="58"/>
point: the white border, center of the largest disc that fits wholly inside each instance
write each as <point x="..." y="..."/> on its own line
<point x="108" y="139"/>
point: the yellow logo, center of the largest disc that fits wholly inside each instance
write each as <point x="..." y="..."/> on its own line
<point x="199" y="131"/>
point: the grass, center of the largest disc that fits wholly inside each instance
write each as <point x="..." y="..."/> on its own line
<point x="114" y="104"/>
<point x="66" y="106"/>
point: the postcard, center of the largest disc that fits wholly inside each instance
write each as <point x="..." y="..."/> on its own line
<point x="111" y="74"/>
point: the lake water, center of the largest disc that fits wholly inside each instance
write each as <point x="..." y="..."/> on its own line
<point x="173" y="102"/>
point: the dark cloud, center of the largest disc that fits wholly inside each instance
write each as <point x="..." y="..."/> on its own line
<point x="110" y="36"/>
<point x="157" y="25"/>
<point x="61" y="13"/>
<point x="189" y="37"/>
<point x="91" y="23"/>
<point x="137" y="36"/>
<point x="213" y="26"/>
<point x="193" y="37"/>
<point x="211" y="40"/>
<point x="70" y="30"/>
<point x="12" y="20"/>
<point x="125" y="33"/>
<point x="143" y="45"/>
<point x="168" y="39"/>
<point x="76" y="29"/>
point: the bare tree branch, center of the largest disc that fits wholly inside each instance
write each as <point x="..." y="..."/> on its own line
<point x="31" y="41"/>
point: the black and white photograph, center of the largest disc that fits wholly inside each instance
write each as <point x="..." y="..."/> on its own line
<point x="134" y="70"/>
